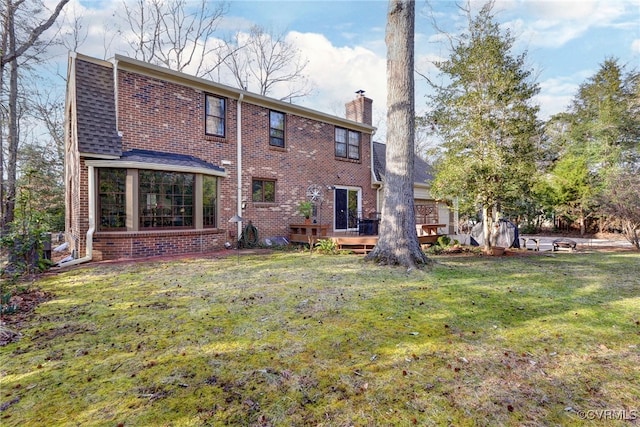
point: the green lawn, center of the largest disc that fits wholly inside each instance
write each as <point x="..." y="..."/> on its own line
<point x="292" y="339"/>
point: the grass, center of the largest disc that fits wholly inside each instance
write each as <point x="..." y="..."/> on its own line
<point x="290" y="339"/>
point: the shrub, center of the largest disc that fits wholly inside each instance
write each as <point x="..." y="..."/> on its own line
<point x="444" y="241"/>
<point x="25" y="237"/>
<point x="326" y="246"/>
<point x="435" y="250"/>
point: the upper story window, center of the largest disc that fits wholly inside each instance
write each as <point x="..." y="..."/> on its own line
<point x="215" y="113"/>
<point x="347" y="144"/>
<point x="263" y="190"/>
<point x="112" y="198"/>
<point x="276" y="129"/>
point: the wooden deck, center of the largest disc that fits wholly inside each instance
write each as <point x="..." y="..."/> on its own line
<point x="351" y="240"/>
<point x="364" y="244"/>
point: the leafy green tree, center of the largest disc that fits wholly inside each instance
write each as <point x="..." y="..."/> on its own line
<point x="25" y="236"/>
<point x="571" y="189"/>
<point x="486" y="119"/>
<point x="598" y="136"/>
<point x="601" y="124"/>
<point x="41" y="173"/>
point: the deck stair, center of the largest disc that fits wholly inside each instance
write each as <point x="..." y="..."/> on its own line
<point x="356" y="244"/>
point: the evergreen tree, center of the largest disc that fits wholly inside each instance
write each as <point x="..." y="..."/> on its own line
<point x="602" y="126"/>
<point x="570" y="189"/>
<point x="600" y="136"/>
<point x="486" y="119"/>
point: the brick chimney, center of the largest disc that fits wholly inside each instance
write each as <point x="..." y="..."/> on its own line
<point x="360" y="109"/>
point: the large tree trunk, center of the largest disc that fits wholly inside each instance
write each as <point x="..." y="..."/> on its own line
<point x="398" y="241"/>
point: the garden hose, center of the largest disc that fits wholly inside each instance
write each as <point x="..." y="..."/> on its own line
<point x="249" y="236"/>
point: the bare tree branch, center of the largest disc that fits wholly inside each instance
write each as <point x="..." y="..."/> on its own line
<point x="77" y="35"/>
<point x="18" y="37"/>
<point x="176" y="34"/>
<point x="265" y="60"/>
<point x="35" y="32"/>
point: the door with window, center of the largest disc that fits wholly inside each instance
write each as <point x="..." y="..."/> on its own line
<point x="347" y="207"/>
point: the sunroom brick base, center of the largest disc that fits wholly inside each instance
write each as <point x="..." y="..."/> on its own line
<point x="142" y="245"/>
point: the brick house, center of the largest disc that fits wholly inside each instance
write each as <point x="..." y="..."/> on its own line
<point x="157" y="161"/>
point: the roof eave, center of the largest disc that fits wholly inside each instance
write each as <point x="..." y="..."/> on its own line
<point x="86" y="154"/>
<point x="131" y="164"/>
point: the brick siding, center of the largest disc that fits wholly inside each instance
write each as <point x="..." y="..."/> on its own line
<point x="165" y="116"/>
<point x="146" y="244"/>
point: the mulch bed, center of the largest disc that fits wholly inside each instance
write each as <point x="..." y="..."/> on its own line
<point x="25" y="303"/>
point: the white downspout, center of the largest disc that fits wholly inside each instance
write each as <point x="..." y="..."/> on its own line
<point x="91" y="190"/>
<point x="92" y="224"/>
<point x="373" y="175"/>
<point x="239" y="162"/>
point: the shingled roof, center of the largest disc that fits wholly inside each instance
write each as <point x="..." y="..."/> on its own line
<point x="96" y="110"/>
<point x="422" y="171"/>
<point x="168" y="159"/>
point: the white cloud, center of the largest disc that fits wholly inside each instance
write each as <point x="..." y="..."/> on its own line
<point x="551" y="105"/>
<point x="562" y="10"/>
<point x="555" y="23"/>
<point x="557" y="93"/>
<point x="337" y="72"/>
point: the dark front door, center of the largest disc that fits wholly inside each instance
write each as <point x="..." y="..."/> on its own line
<point x="342" y="217"/>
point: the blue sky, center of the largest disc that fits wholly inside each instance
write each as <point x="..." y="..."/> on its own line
<point x="566" y="41"/>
